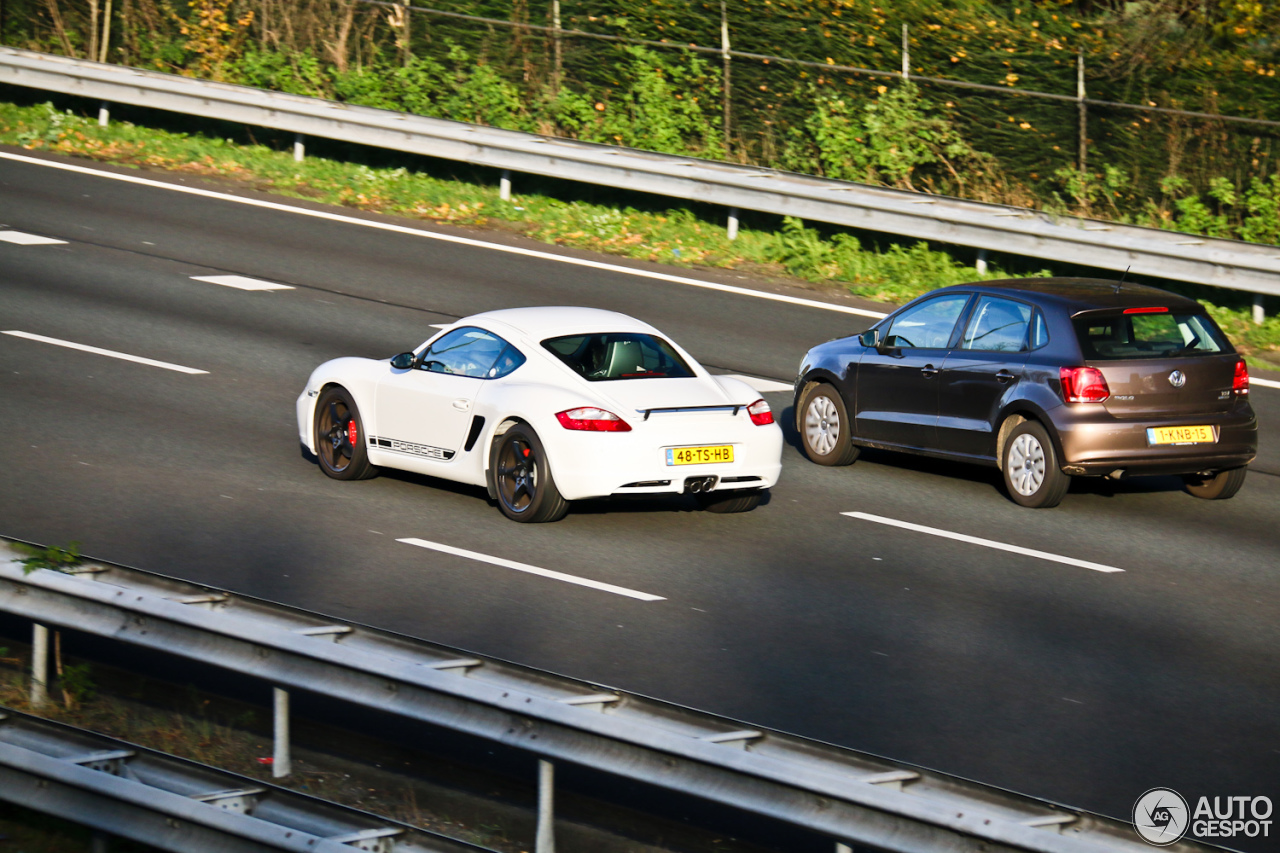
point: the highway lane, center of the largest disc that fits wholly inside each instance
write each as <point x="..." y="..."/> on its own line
<point x="1048" y="678"/>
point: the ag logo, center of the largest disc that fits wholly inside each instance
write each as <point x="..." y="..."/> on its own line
<point x="1160" y="816"/>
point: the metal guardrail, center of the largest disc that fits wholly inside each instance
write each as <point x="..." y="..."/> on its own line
<point x="1107" y="245"/>
<point x="850" y="796"/>
<point x="172" y="804"/>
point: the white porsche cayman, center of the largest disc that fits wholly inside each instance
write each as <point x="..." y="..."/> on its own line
<point x="544" y="406"/>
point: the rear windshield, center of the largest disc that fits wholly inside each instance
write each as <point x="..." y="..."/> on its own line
<point x="1148" y="335"/>
<point x="618" y="355"/>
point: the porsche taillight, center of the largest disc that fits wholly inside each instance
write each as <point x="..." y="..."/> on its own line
<point x="591" y="419"/>
<point x="1083" y="385"/>
<point x="761" y="414"/>
<point x="1240" y="383"/>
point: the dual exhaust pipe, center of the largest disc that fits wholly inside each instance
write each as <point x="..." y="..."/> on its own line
<point x="694" y="485"/>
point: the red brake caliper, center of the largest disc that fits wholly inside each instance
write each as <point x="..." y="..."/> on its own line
<point x="351" y="432"/>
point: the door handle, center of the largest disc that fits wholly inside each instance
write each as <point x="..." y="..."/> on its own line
<point x="462" y="405"/>
<point x="1004" y="376"/>
<point x="929" y="371"/>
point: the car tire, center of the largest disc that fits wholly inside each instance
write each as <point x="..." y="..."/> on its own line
<point x="730" y="501"/>
<point x="340" y="447"/>
<point x="1219" y="487"/>
<point x="1032" y="475"/>
<point x="526" y="491"/>
<point x="825" y="430"/>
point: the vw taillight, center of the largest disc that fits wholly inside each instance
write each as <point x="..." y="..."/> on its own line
<point x="1083" y="385"/>
<point x="1240" y="384"/>
<point x="760" y="413"/>
<point x="591" y="419"/>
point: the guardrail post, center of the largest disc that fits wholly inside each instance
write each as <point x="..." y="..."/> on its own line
<point x="733" y="223"/>
<point x="1258" y="313"/>
<point x="39" y="665"/>
<point x="281" y="763"/>
<point x="299" y="147"/>
<point x="99" y="843"/>
<point x="546" y="840"/>
<point x="980" y="265"/>
<point x="504" y="186"/>
<point x="104" y="114"/>
<point x="843" y="848"/>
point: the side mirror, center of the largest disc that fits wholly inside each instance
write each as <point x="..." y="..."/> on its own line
<point x="870" y="338"/>
<point x="403" y="361"/>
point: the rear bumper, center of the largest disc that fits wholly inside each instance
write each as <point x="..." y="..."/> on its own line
<point x="1094" y="443"/>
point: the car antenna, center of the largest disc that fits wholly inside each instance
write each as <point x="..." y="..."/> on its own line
<point x="1120" y="283"/>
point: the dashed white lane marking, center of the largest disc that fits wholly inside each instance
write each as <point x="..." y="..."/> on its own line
<point x="98" y="351"/>
<point x="764" y="386"/>
<point x="986" y="543"/>
<point x="241" y="282"/>
<point x="533" y="570"/>
<point x="1266" y="383"/>
<point x="448" y="238"/>
<point x="24" y="239"/>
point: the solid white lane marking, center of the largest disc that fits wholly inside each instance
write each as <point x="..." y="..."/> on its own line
<point x="241" y="282"/>
<point x="986" y="543"/>
<point x="98" y="351"/>
<point x="1266" y="383"/>
<point x="764" y="386"/>
<point x="446" y="238"/>
<point x="533" y="570"/>
<point x="23" y="239"/>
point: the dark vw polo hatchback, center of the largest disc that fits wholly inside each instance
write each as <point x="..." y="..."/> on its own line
<point x="1044" y="378"/>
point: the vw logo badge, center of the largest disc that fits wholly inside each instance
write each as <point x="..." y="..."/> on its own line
<point x="1177" y="379"/>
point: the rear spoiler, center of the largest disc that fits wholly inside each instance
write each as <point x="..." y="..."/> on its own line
<point x="734" y="406"/>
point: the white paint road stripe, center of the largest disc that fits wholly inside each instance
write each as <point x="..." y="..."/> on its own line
<point x="533" y="570"/>
<point x="241" y="282"/>
<point x="447" y="238"/>
<point x="987" y="543"/>
<point x="23" y="239"/>
<point x="97" y="351"/>
<point x="1266" y="383"/>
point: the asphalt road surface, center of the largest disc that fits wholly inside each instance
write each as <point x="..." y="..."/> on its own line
<point x="1035" y="672"/>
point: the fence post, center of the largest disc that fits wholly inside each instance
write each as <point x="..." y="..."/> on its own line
<point x="504" y="186"/>
<point x="546" y="840"/>
<point x="555" y="41"/>
<point x="906" y="55"/>
<point x="980" y="265"/>
<point x="299" y="147"/>
<point x="281" y="761"/>
<point x="1082" y="150"/>
<point x="728" y="88"/>
<point x="1259" y="314"/>
<point x="733" y="223"/>
<point x="104" y="114"/>
<point x="39" y="664"/>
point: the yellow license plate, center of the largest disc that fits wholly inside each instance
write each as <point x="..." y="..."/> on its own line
<point x="699" y="455"/>
<point x="1181" y="435"/>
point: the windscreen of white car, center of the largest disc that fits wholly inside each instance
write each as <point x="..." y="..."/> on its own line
<point x="618" y="355"/>
<point x="471" y="352"/>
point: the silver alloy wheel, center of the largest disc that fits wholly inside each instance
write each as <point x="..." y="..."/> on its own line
<point x="821" y="425"/>
<point x="1026" y="465"/>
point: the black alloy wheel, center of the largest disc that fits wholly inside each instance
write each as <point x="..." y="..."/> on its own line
<point x="340" y="437"/>
<point x="522" y="477"/>
<point x="737" y="500"/>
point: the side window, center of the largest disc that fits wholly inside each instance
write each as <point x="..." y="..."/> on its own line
<point x="1039" y="331"/>
<point x="471" y="352"/>
<point x="928" y="325"/>
<point x="998" y="325"/>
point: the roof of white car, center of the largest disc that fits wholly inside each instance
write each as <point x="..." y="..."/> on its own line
<point x="550" y="321"/>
